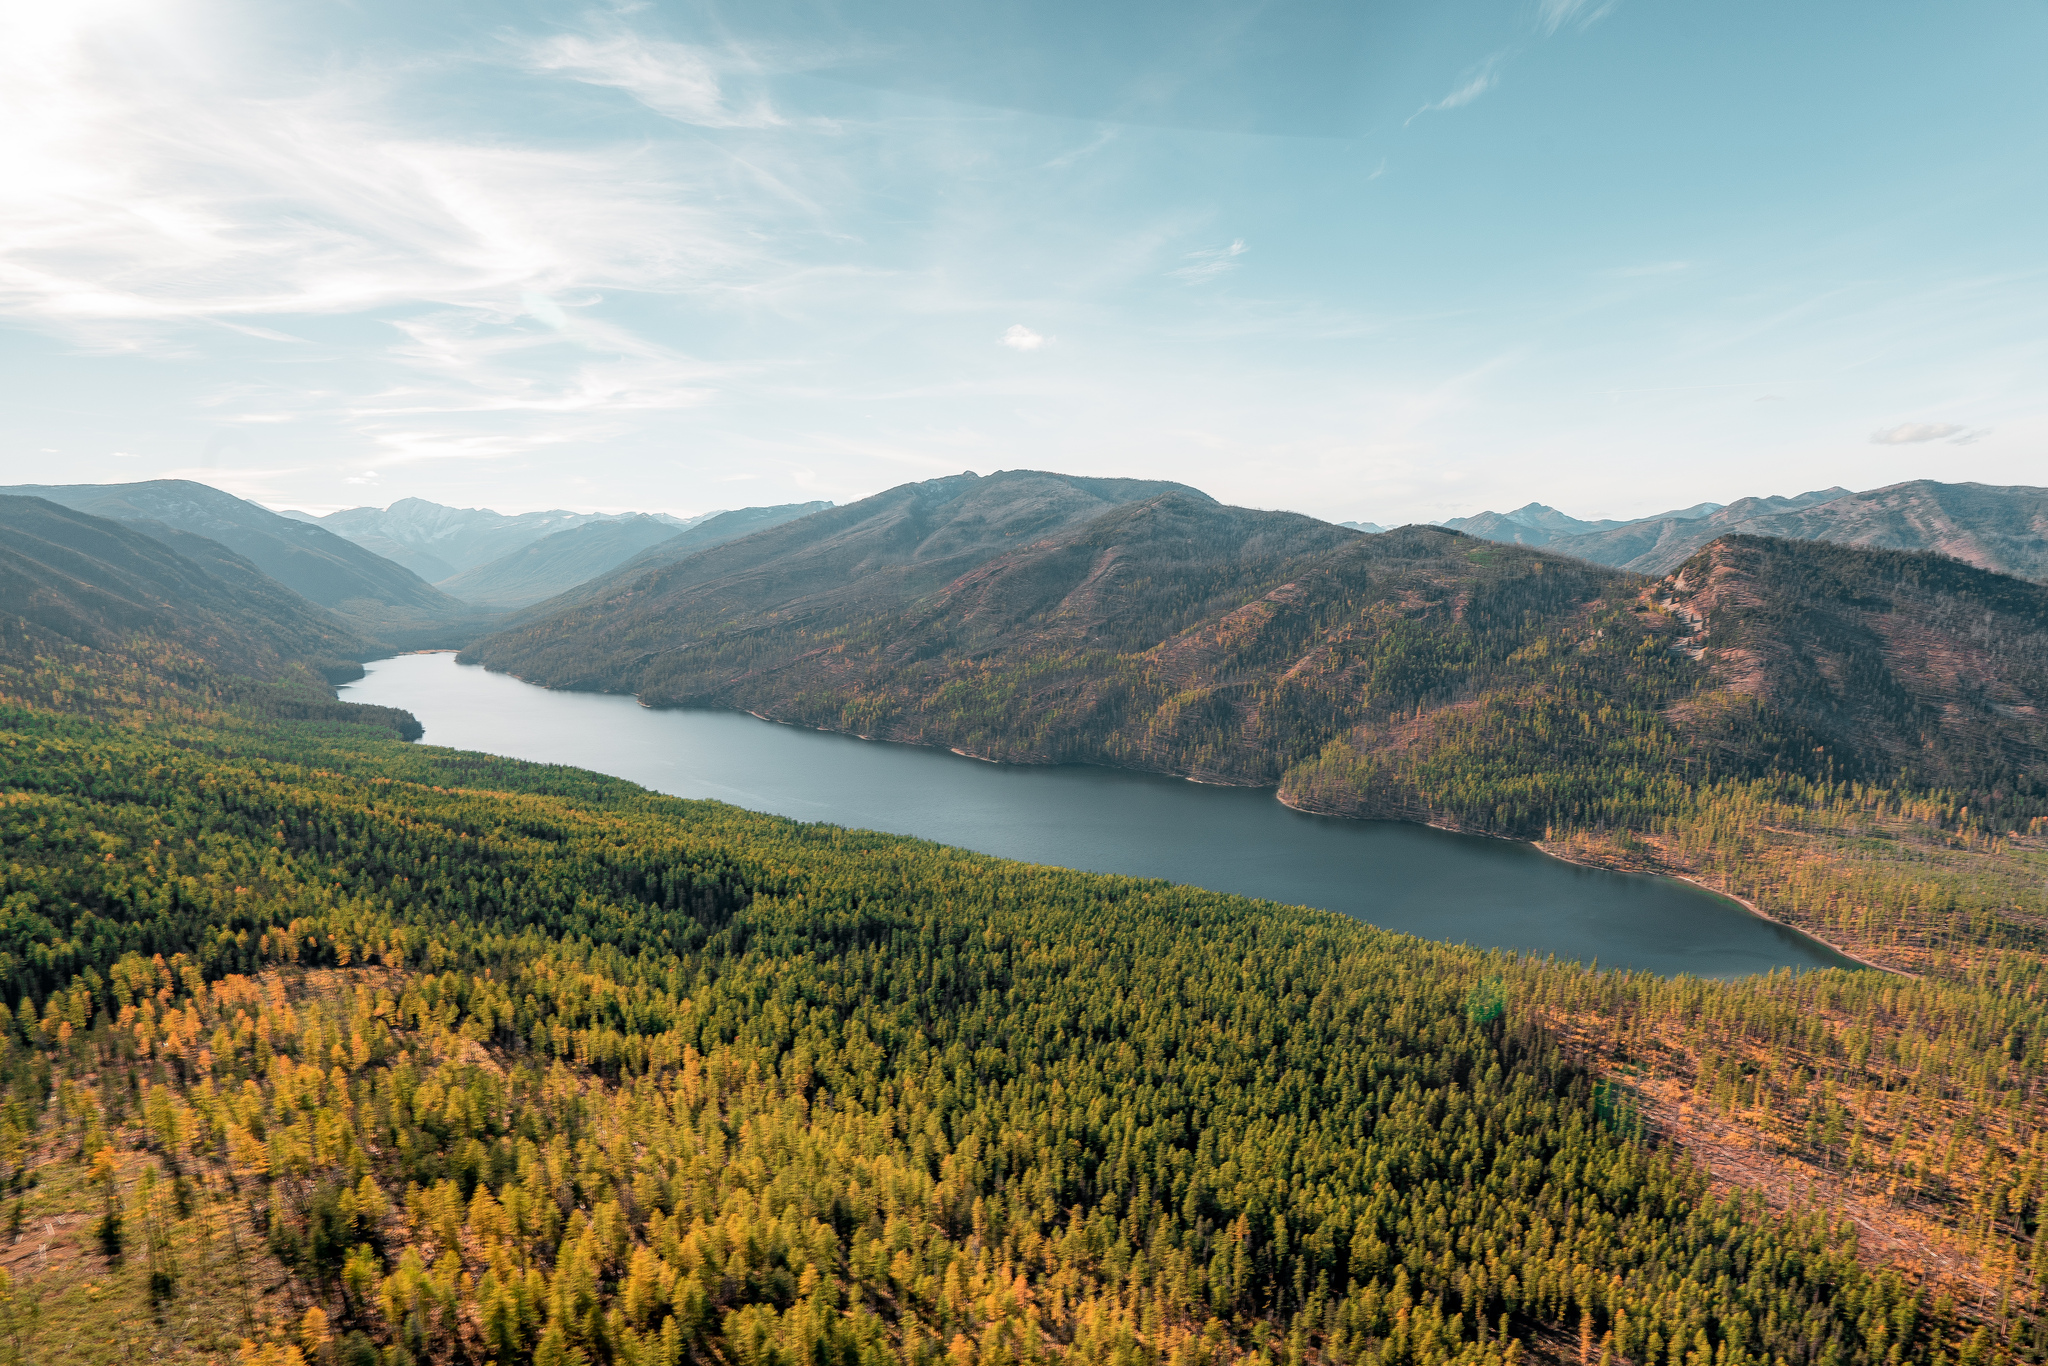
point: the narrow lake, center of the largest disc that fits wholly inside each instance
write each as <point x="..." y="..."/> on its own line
<point x="1460" y="888"/>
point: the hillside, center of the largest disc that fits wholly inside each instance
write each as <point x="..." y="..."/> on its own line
<point x="96" y="582"/>
<point x="873" y="556"/>
<point x="557" y="562"/>
<point x="714" y="530"/>
<point x="331" y="1049"/>
<point x="438" y="542"/>
<point x="1925" y="666"/>
<point x="375" y="597"/>
<point x="1415" y="674"/>
<point x="652" y="553"/>
<point x="2004" y="529"/>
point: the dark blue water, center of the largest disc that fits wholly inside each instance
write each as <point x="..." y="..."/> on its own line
<point x="1460" y="888"/>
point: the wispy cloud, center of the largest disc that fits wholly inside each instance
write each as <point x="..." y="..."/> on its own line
<point x="677" y="80"/>
<point x="1210" y="262"/>
<point x="1018" y="337"/>
<point x="150" y="199"/>
<point x="1103" y="137"/>
<point x="1913" y="433"/>
<point x="1471" y="86"/>
<point x="1552" y="15"/>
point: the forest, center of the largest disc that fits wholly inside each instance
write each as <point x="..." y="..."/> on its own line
<point x="326" y="1047"/>
<point x="1417" y="674"/>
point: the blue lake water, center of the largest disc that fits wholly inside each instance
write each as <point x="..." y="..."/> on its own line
<point x="1461" y="888"/>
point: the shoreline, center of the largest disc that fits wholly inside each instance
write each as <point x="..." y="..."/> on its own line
<point x="1548" y="850"/>
<point x="1280" y="795"/>
<point x="1742" y="901"/>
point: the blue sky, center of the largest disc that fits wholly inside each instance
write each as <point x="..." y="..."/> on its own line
<point x="1393" y="262"/>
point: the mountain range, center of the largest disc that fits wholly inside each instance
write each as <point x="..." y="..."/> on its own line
<point x="570" y="566"/>
<point x="1419" y="672"/>
<point x="379" y="598"/>
<point x="2002" y="528"/>
<point x="438" y="542"/>
<point x="94" y="581"/>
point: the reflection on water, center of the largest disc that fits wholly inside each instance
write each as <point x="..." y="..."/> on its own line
<point x="1461" y="888"/>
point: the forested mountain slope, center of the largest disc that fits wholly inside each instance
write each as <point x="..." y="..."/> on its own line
<point x="680" y="545"/>
<point x="332" y="1049"/>
<point x="2004" y="529"/>
<point x="96" y="583"/>
<point x="309" y="560"/>
<point x="557" y="562"/>
<point x="874" y="556"/>
<point x="1927" y="666"/>
<point x="1415" y="674"/>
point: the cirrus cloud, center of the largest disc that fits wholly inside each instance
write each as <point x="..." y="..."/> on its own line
<point x="1913" y="433"/>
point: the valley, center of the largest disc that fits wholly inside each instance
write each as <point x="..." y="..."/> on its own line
<point x="355" y="1049"/>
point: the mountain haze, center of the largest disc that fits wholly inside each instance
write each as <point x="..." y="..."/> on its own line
<point x="1538" y="524"/>
<point x="438" y="542"/>
<point x="2001" y="528"/>
<point x="714" y="530"/>
<point x="557" y="562"/>
<point x="97" y="582"/>
<point x="372" y="592"/>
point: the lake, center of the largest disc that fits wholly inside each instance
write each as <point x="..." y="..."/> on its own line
<point x="1460" y="888"/>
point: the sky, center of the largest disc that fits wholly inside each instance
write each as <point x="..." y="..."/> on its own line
<point x="1358" y="260"/>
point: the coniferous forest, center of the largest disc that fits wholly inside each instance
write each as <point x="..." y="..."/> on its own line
<point x="323" y="1046"/>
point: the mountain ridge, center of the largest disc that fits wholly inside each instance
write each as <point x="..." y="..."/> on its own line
<point x="375" y="595"/>
<point x="2003" y="528"/>
<point x="1412" y="673"/>
<point x="440" y="542"/>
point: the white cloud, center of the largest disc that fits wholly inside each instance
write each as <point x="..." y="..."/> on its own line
<point x="1552" y="15"/>
<point x="1912" y="433"/>
<point x="673" y="79"/>
<point x="1021" y="338"/>
<point x="1210" y="262"/>
<point x="154" y="195"/>
<point x="1475" y="83"/>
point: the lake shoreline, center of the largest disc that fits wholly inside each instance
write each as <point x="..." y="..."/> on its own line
<point x="1399" y="871"/>
<point x="1759" y="912"/>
